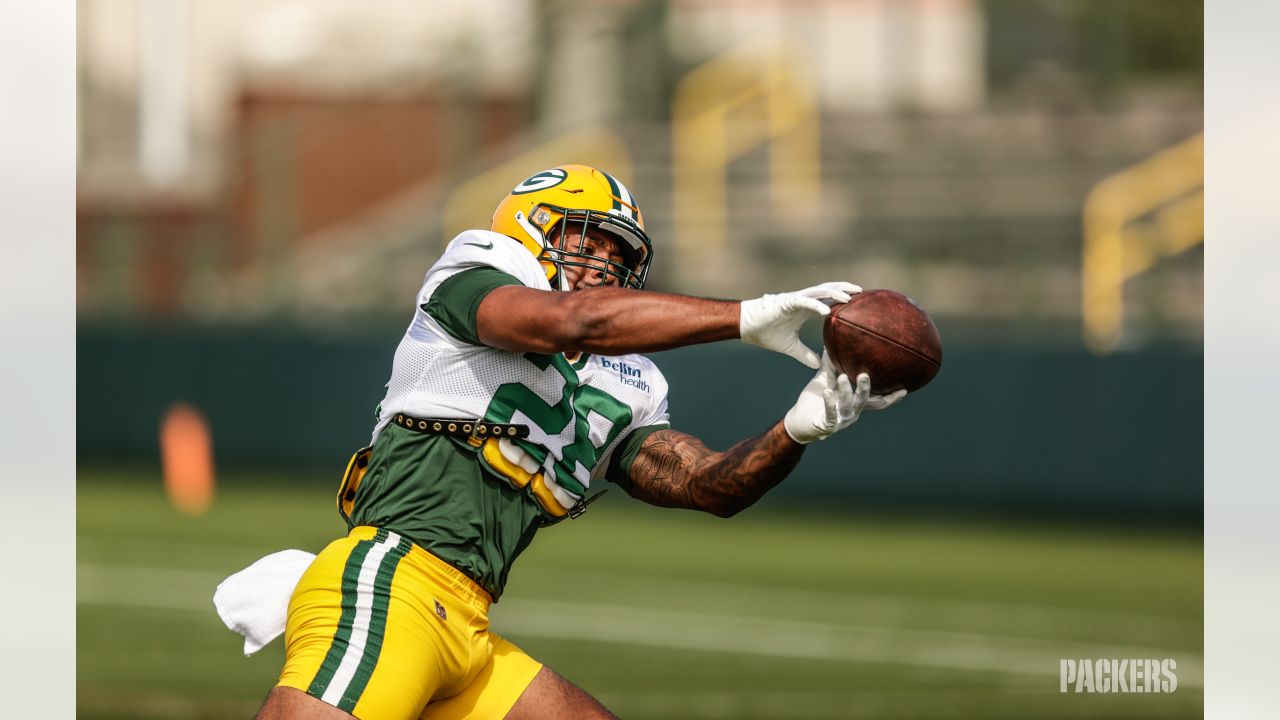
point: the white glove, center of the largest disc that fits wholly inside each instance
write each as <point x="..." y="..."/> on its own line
<point x="773" y="321"/>
<point x="829" y="404"/>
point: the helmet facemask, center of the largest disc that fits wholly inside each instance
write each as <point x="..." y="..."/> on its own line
<point x="631" y="240"/>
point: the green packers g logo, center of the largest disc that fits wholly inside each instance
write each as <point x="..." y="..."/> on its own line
<point x="541" y="181"/>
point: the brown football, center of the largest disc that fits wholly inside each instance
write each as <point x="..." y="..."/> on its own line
<point x="886" y="335"/>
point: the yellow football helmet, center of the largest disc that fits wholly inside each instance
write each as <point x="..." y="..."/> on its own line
<point x="540" y="210"/>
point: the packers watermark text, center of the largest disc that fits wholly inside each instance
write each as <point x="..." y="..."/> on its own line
<point x="1117" y="675"/>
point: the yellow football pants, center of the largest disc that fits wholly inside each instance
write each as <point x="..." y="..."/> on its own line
<point x="385" y="630"/>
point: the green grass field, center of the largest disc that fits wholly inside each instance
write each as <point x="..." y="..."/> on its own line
<point x="778" y="613"/>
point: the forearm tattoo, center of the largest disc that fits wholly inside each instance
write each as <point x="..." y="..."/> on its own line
<point x="673" y="469"/>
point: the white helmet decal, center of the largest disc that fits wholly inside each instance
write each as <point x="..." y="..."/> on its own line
<point x="541" y="181"/>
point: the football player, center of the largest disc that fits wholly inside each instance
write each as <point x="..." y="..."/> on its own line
<point x="516" y="390"/>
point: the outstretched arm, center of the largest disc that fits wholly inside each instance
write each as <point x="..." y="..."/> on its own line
<point x="673" y="469"/>
<point x="617" y="321"/>
<point x="601" y="320"/>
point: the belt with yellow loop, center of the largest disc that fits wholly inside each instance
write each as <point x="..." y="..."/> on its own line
<point x="480" y="429"/>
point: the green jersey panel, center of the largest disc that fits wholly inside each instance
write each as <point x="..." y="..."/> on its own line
<point x="454" y="304"/>
<point x="434" y="492"/>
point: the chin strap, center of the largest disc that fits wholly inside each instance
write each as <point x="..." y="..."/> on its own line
<point x="529" y="228"/>
<point x="536" y="236"/>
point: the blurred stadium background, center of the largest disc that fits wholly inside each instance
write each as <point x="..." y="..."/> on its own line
<point x="263" y="184"/>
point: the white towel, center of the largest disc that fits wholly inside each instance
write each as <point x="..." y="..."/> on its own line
<point x="255" y="601"/>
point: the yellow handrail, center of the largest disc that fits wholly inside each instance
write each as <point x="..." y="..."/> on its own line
<point x="471" y="204"/>
<point x="1131" y="219"/>
<point x="725" y="108"/>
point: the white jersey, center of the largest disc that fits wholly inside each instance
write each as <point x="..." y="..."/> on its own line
<point x="577" y="412"/>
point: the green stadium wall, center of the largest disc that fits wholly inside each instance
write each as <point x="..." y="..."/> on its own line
<point x="1020" y="428"/>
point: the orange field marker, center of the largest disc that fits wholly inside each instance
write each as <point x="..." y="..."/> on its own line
<point x="186" y="450"/>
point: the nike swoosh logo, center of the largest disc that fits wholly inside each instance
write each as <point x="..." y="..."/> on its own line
<point x="486" y="246"/>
